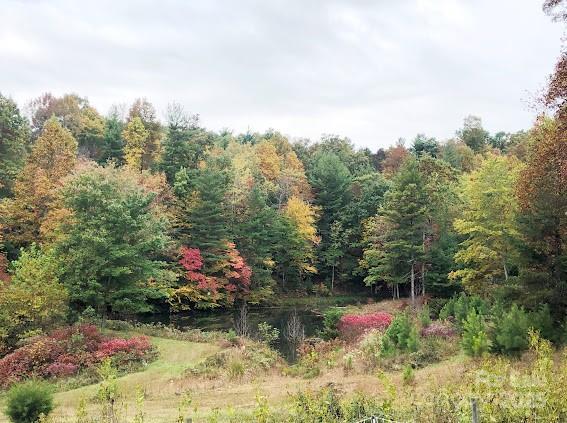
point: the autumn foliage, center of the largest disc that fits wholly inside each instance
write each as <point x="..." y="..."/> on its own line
<point x="353" y="325"/>
<point x="229" y="280"/>
<point x="66" y="352"/>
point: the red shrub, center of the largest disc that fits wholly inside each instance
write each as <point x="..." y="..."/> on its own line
<point x="66" y="351"/>
<point x="353" y="325"/>
<point x="61" y="369"/>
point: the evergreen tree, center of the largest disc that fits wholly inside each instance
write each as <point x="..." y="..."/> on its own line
<point x="113" y="143"/>
<point x="14" y="144"/>
<point x="331" y="180"/>
<point x="256" y="238"/>
<point x="185" y="144"/>
<point x="403" y="218"/>
<point x="203" y="222"/>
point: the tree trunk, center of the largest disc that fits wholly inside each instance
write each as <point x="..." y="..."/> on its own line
<point x="333" y="279"/>
<point x="412" y="286"/>
<point x="423" y="278"/>
<point x="505" y="271"/>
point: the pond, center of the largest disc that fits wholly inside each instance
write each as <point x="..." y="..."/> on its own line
<point x="310" y="316"/>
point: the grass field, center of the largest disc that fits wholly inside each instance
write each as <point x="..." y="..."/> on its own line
<point x="166" y="383"/>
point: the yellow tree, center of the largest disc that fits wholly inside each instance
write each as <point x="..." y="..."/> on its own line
<point x="136" y="137"/>
<point x="304" y="217"/>
<point x="489" y="224"/>
<point x="53" y="157"/>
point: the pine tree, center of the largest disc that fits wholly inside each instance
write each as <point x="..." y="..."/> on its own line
<point x="331" y="180"/>
<point x="203" y="222"/>
<point x="185" y="144"/>
<point x="113" y="143"/>
<point x="255" y="236"/>
<point x="14" y="144"/>
<point x="403" y="219"/>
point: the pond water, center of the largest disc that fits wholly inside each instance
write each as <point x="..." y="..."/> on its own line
<point x="312" y="321"/>
<point x="311" y="317"/>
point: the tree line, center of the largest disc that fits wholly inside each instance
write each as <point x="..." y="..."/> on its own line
<point x="125" y="214"/>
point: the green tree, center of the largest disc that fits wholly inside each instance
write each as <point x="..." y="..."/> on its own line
<point x="14" y="144"/>
<point x="109" y="248"/>
<point x="113" y="143"/>
<point x="393" y="258"/>
<point x="202" y="216"/>
<point x="185" y="144"/>
<point x="473" y="134"/>
<point x="331" y="180"/>
<point x="489" y="224"/>
<point x="33" y="300"/>
<point x="255" y="235"/>
<point x="424" y="145"/>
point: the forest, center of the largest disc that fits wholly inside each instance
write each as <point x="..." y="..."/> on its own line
<point x="109" y="219"/>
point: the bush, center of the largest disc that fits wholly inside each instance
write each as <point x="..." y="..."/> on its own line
<point x="65" y="352"/>
<point x="26" y="402"/>
<point x="401" y="335"/>
<point x="351" y="326"/>
<point x="329" y="405"/>
<point x="331" y="318"/>
<point x="267" y="333"/>
<point x="460" y="306"/>
<point x="542" y="321"/>
<point x="425" y="316"/>
<point x="475" y="341"/>
<point x="408" y="375"/>
<point x="511" y="332"/>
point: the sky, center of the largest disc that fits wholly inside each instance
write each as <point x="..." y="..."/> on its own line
<point x="371" y="70"/>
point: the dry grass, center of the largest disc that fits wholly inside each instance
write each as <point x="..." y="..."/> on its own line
<point x="166" y="381"/>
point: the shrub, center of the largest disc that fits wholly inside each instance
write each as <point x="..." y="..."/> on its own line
<point x="475" y="341"/>
<point x="331" y="319"/>
<point x="371" y="348"/>
<point x="425" y="316"/>
<point x="329" y="405"/>
<point x="511" y="332"/>
<point x="267" y="333"/>
<point x="542" y="321"/>
<point x="236" y="370"/>
<point x="401" y="335"/>
<point x="68" y="351"/>
<point x="352" y="326"/>
<point x="408" y="375"/>
<point x="26" y="402"/>
<point x="460" y="306"/>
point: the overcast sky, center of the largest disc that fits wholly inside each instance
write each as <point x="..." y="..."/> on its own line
<point x="372" y="70"/>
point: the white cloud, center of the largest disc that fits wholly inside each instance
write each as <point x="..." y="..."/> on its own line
<point x="373" y="70"/>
